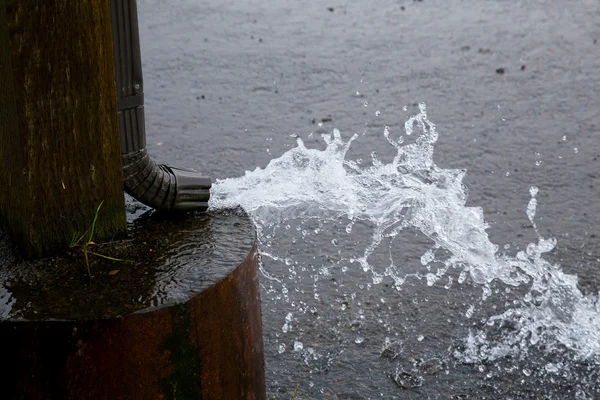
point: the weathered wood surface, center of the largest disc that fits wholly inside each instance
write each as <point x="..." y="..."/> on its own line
<point x="59" y="139"/>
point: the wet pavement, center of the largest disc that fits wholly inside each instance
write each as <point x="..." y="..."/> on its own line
<point x="513" y="89"/>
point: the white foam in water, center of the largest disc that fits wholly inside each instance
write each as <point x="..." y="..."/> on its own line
<point x="412" y="192"/>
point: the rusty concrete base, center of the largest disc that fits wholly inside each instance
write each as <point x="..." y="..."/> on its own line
<point x="209" y="347"/>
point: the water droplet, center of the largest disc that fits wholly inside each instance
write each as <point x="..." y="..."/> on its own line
<point x="359" y="340"/>
<point x="449" y="284"/>
<point x="349" y="227"/>
<point x="357" y="92"/>
<point x="427" y="257"/>
<point x="526" y="372"/>
<point x="576" y="150"/>
<point x="334" y="242"/>
<point x="431" y="279"/>
<point x="420" y="338"/>
<point x="508" y="174"/>
<point x="506" y="246"/>
<point x="404" y="108"/>
<point x="377" y="113"/>
<point x="533" y="191"/>
<point x="564" y="138"/>
<point x="366" y="103"/>
<point x="281" y="348"/>
<point x="469" y="312"/>
<point x="320" y="124"/>
<point x="538" y="163"/>
<point x="298" y="346"/>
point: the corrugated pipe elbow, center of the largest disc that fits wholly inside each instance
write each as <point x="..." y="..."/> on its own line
<point x="163" y="187"/>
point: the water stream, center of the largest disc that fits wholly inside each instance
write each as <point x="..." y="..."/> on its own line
<point x="379" y="204"/>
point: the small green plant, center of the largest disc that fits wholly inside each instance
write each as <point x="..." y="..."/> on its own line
<point x="295" y="394"/>
<point x="85" y="245"/>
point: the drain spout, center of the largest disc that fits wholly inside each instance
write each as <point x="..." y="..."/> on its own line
<point x="159" y="186"/>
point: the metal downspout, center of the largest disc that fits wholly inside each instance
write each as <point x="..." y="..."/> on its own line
<point x="159" y="186"/>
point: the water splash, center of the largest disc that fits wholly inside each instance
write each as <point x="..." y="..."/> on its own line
<point x="411" y="192"/>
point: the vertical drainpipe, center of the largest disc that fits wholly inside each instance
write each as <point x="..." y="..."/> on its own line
<point x="159" y="186"/>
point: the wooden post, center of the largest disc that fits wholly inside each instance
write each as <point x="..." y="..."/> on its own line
<point x="59" y="139"/>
